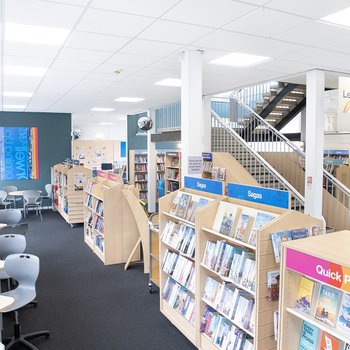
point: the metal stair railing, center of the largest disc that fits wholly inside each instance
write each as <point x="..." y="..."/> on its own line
<point x="289" y="160"/>
<point x="226" y="139"/>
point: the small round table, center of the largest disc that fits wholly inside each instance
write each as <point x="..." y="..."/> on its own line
<point x="20" y="193"/>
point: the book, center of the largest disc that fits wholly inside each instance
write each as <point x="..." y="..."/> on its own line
<point x="327" y="305"/>
<point x="227" y="222"/>
<point x="226" y="211"/>
<point x="316" y="230"/>
<point x="175" y="204"/>
<point x="277" y="239"/>
<point x="308" y="337"/>
<point x="183" y="205"/>
<point x="304" y="297"/>
<point x="275" y="324"/>
<point x="243" y="227"/>
<point x="273" y="279"/>
<point x="261" y="219"/>
<point x="328" y="342"/>
<point x="190" y="210"/>
<point x="300" y="233"/>
<point x="343" y="322"/>
<point x="211" y="289"/>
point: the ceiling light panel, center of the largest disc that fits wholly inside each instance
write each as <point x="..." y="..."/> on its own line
<point x="101" y="109"/>
<point x="26" y="50"/>
<point x="25" y="71"/>
<point x="35" y="34"/>
<point x="169" y="82"/>
<point x="210" y="14"/>
<point x="341" y="17"/>
<point x="129" y="99"/>
<point x="6" y="107"/>
<point x="106" y="22"/>
<point x="238" y="59"/>
<point x="17" y="94"/>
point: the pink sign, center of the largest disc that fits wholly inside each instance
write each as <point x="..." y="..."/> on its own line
<point x="319" y="269"/>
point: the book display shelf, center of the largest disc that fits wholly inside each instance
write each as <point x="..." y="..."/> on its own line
<point x="138" y="163"/>
<point x="160" y="169"/>
<point x="68" y="191"/>
<point x="315" y="293"/>
<point x="109" y="225"/>
<point x="172" y="171"/>
<point x="210" y="170"/>
<point x="178" y="257"/>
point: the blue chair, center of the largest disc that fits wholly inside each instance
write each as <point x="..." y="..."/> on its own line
<point x="24" y="268"/>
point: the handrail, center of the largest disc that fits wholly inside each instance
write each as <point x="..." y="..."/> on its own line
<point x="260" y="159"/>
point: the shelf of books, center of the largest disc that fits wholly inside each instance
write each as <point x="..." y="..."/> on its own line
<point x="138" y="163"/>
<point x="235" y="254"/>
<point x="315" y="293"/>
<point x="160" y="169"/>
<point x="68" y="191"/>
<point x="172" y="171"/>
<point x="178" y="256"/>
<point x="108" y="229"/>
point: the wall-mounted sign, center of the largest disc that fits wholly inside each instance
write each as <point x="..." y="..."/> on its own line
<point x="204" y="185"/>
<point x="319" y="269"/>
<point x="207" y="156"/>
<point x="268" y="196"/>
<point x="343" y="117"/>
<point x="195" y="165"/>
<point x="173" y="154"/>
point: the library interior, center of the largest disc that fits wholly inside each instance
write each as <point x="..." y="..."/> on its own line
<point x="175" y="174"/>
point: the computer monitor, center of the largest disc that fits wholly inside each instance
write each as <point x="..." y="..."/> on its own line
<point x="106" y="166"/>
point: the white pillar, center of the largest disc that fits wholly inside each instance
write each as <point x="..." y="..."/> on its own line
<point x="191" y="107"/>
<point x="152" y="166"/>
<point x="206" y="123"/>
<point x="303" y="126"/>
<point x="315" y="84"/>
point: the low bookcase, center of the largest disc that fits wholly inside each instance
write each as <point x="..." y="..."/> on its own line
<point x="68" y="191"/>
<point x="110" y="229"/>
<point x="186" y="326"/>
<point x="316" y="271"/>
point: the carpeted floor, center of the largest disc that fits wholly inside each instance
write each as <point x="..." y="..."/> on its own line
<point x="87" y="305"/>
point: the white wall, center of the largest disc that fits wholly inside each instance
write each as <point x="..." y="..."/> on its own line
<point x="91" y="128"/>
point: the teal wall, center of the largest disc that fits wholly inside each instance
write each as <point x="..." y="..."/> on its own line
<point x="134" y="141"/>
<point x="54" y="131"/>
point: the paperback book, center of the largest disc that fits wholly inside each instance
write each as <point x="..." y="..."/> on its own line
<point x="308" y="337"/>
<point x="327" y="305"/>
<point x="300" y="233"/>
<point x="183" y="205"/>
<point x="277" y="239"/>
<point x="261" y="219"/>
<point x="225" y="218"/>
<point x="273" y="278"/>
<point x="343" y="322"/>
<point x="328" y="342"/>
<point x="243" y="227"/>
<point x="304" y="297"/>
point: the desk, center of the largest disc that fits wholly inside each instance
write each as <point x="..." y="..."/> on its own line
<point x="5" y="302"/>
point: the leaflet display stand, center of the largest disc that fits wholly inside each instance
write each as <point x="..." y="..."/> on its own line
<point x="323" y="260"/>
<point x="68" y="191"/>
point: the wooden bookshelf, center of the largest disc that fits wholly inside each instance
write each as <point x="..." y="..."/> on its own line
<point x="172" y="171"/>
<point x="263" y="333"/>
<point x="154" y="251"/>
<point x="303" y="258"/>
<point x="165" y="203"/>
<point x="68" y="191"/>
<point x="138" y="170"/>
<point x="160" y="172"/>
<point x="111" y="232"/>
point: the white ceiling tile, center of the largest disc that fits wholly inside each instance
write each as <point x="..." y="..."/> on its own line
<point x="27" y="61"/>
<point x="174" y="32"/>
<point x="83" y="55"/>
<point x="285" y="67"/>
<point x="313" y="33"/>
<point x="120" y="59"/>
<point x="30" y="50"/>
<point x="258" y="2"/>
<point x="310" y="8"/>
<point x="337" y="44"/>
<point x="21" y="83"/>
<point x="152" y="8"/>
<point x="71" y="2"/>
<point x="65" y="75"/>
<point x="42" y="13"/>
<point x="227" y="41"/>
<point x="74" y="65"/>
<point x="167" y="64"/>
<point x="101" y="21"/>
<point x="149" y="48"/>
<point x="213" y="13"/>
<point x="91" y="41"/>
<point x="266" y="22"/>
<point x="272" y="48"/>
<point x="110" y="68"/>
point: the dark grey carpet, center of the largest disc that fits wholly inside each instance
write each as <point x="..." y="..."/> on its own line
<point x="87" y="305"/>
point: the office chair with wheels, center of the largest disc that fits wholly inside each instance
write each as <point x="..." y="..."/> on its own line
<point x="12" y="199"/>
<point x="3" y="199"/>
<point x="25" y="269"/>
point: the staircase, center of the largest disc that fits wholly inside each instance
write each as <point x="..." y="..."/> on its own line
<point x="272" y="159"/>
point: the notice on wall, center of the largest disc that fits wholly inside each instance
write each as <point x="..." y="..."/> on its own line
<point x="195" y="165"/>
<point x="343" y="118"/>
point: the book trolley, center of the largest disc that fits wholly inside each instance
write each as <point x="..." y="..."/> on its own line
<point x="110" y="229"/>
<point x="258" y="332"/>
<point x="68" y="191"/>
<point x="324" y="261"/>
<point x="172" y="171"/>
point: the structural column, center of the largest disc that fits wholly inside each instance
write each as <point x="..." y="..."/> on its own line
<point x="206" y="123"/>
<point x="151" y="166"/>
<point x="314" y="146"/>
<point x="191" y="108"/>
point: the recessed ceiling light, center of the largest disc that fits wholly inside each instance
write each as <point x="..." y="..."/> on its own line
<point x="14" y="107"/>
<point x="341" y="17"/>
<point x="25" y="33"/>
<point x="129" y="99"/>
<point x="238" y="59"/>
<point x="106" y="123"/>
<point x="25" y="71"/>
<point x="101" y="109"/>
<point x="169" y="82"/>
<point x="17" y="94"/>
<point x="122" y="118"/>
